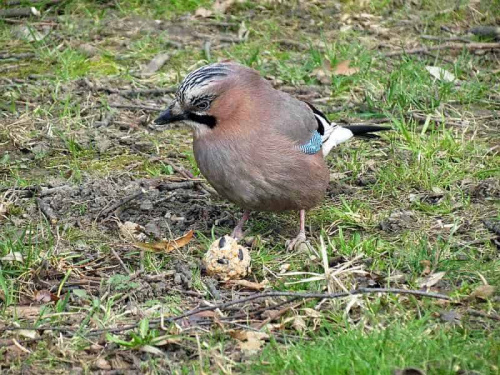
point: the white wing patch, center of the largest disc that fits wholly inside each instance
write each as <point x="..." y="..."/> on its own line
<point x="333" y="136"/>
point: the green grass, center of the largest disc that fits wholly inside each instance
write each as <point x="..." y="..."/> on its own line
<point x="423" y="343"/>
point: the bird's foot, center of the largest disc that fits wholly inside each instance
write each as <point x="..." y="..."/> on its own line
<point x="237" y="233"/>
<point x="296" y="242"/>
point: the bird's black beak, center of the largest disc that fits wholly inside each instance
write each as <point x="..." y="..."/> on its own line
<point x="172" y="114"/>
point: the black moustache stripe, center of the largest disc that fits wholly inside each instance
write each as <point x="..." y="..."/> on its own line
<point x="207" y="120"/>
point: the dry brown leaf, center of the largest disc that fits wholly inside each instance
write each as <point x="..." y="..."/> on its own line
<point x="221" y="6"/>
<point x="155" y="64"/>
<point x="248" y="284"/>
<point x="29" y="333"/>
<point x="203" y="13"/>
<point x="299" y="324"/>
<point x="4" y="208"/>
<point x="13" y="257"/>
<point x="431" y="280"/>
<point x="102" y="364"/>
<point x="250" y="342"/>
<point x="343" y="68"/>
<point x="44" y="296"/>
<point x="165" y="340"/>
<point x="167" y="246"/>
<point x="311" y="313"/>
<point x="26" y="312"/>
<point x="324" y="73"/>
<point x="427" y="267"/>
<point x="132" y="231"/>
<point x="482" y="292"/>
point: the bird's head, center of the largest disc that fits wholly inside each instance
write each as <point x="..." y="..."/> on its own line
<point x="209" y="95"/>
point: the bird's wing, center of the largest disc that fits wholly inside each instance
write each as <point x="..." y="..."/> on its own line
<point x="292" y="118"/>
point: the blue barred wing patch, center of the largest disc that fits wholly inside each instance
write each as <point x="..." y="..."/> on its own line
<point x="313" y="146"/>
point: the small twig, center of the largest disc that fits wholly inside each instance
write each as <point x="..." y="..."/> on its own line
<point x="226" y="305"/>
<point x="483" y="314"/>
<point x="19" y="12"/>
<point x="16" y="56"/>
<point x="133" y="106"/>
<point x="176" y="185"/>
<point x="11" y="3"/>
<point x="117" y="256"/>
<point x="449" y="39"/>
<point x="47" y="210"/>
<point x="449" y="46"/>
<point x="152" y="92"/>
<point x="155" y="64"/>
<point x="121" y="202"/>
<point x="58" y="189"/>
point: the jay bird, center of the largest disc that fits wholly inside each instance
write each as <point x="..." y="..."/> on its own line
<point x="259" y="147"/>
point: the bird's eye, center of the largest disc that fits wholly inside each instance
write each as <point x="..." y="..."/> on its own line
<point x="203" y="106"/>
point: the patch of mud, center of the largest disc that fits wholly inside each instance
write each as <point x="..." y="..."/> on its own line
<point x="161" y="206"/>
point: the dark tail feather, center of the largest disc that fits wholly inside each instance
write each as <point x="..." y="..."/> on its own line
<point x="365" y="131"/>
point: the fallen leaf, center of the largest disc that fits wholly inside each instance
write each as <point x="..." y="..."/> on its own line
<point x="427" y="267"/>
<point x="343" y="69"/>
<point x="26" y="312"/>
<point x="152" y="350"/>
<point x="248" y="284"/>
<point x="324" y="73"/>
<point x="155" y="64"/>
<point x="167" y="246"/>
<point x="482" y="292"/>
<point x="221" y="6"/>
<point x="431" y="280"/>
<point x="165" y="340"/>
<point x="451" y="316"/>
<point x="284" y="267"/>
<point x="311" y="313"/>
<point x="13" y="257"/>
<point x="102" y="364"/>
<point x="243" y="31"/>
<point x="132" y="231"/>
<point x="440" y="74"/>
<point x="29" y="333"/>
<point x="203" y="13"/>
<point x="4" y="208"/>
<point x="299" y="324"/>
<point x="250" y="342"/>
<point x="44" y="296"/>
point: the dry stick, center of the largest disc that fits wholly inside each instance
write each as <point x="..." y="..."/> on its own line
<point x="270" y="294"/>
<point x="19" y="12"/>
<point x="152" y="92"/>
<point x="17" y="56"/>
<point x="452" y="46"/>
<point x="32" y="2"/>
<point x="482" y="314"/>
<point x="124" y="266"/>
<point x="130" y="106"/>
<point x="450" y="39"/>
<point x="120" y="203"/>
<point x="225" y="305"/>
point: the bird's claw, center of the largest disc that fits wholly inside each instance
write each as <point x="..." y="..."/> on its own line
<point x="237" y="233"/>
<point x="296" y="242"/>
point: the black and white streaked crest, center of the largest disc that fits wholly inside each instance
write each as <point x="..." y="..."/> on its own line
<point x="201" y="77"/>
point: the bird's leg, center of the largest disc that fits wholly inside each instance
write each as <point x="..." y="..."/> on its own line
<point x="238" y="230"/>
<point x="301" y="237"/>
